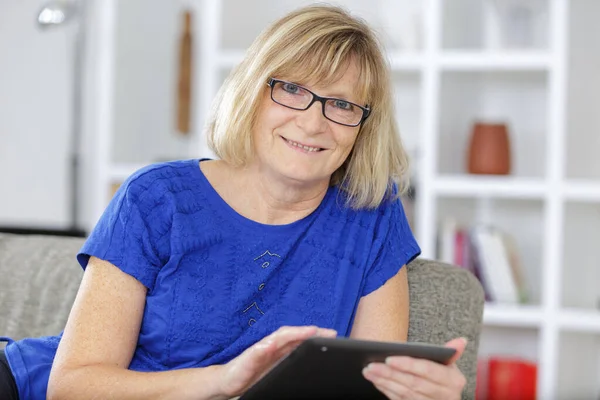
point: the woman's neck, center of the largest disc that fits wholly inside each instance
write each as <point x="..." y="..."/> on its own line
<point x="263" y="198"/>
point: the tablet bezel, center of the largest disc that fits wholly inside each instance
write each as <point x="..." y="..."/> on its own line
<point x="345" y="358"/>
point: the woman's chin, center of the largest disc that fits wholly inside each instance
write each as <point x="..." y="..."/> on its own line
<point x="303" y="175"/>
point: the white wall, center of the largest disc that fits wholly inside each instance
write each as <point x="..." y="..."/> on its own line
<point x="34" y="119"/>
<point x="146" y="80"/>
<point x="35" y="104"/>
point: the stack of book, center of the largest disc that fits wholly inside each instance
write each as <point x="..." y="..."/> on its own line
<point x="490" y="254"/>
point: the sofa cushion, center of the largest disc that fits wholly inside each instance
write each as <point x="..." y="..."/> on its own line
<point x="39" y="278"/>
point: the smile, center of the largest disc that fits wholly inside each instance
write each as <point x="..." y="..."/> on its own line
<point x="301" y="147"/>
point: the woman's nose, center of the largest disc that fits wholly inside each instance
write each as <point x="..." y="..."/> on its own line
<point x="312" y="120"/>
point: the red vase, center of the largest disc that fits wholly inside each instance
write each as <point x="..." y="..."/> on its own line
<point x="489" y="149"/>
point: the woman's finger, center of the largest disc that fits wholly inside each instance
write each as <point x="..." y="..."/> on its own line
<point x="280" y="338"/>
<point x="394" y="391"/>
<point x="269" y="357"/>
<point x="428" y="377"/>
<point x="284" y="349"/>
<point x="260" y="358"/>
<point x="459" y="344"/>
<point x="426" y="369"/>
<point x="292" y="333"/>
<point x="281" y="342"/>
<point x="402" y="385"/>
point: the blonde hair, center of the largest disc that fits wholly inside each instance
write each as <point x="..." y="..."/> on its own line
<point x="315" y="44"/>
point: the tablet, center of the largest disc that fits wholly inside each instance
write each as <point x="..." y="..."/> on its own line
<point x="331" y="368"/>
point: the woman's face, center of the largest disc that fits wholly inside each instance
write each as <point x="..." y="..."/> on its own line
<point x="282" y="135"/>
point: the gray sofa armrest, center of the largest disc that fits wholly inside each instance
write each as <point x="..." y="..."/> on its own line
<point x="39" y="278"/>
<point x="446" y="302"/>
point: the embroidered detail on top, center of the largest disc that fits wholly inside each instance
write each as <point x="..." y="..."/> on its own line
<point x="267" y="253"/>
<point x="252" y="321"/>
<point x="254" y="305"/>
<point x="264" y="265"/>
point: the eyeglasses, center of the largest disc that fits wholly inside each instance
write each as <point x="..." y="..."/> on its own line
<point x="296" y="97"/>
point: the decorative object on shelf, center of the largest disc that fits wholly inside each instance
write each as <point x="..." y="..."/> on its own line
<point x="504" y="377"/>
<point x="489" y="149"/>
<point x="184" y="85"/>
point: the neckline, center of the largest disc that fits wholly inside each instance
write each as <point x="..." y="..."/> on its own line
<point x="226" y="210"/>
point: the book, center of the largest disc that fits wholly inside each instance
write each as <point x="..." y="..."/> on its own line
<point x="516" y="268"/>
<point x="494" y="265"/>
<point x="488" y="253"/>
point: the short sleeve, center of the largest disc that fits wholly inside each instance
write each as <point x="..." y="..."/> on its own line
<point x="126" y="233"/>
<point x="394" y="246"/>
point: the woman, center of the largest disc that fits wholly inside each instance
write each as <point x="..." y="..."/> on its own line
<point x="201" y="274"/>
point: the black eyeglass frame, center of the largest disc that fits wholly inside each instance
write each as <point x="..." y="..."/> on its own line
<point x="315" y="97"/>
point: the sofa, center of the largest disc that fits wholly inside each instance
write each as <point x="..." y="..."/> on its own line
<point x="39" y="278"/>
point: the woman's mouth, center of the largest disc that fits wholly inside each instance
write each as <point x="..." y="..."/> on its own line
<point x="301" y="147"/>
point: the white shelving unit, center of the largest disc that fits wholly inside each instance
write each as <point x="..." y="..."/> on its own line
<point x="494" y="61"/>
<point x="490" y="186"/>
<point x="564" y="313"/>
<point x="456" y="73"/>
<point x="513" y="316"/>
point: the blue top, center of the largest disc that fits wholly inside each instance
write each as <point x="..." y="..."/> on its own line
<point x="219" y="282"/>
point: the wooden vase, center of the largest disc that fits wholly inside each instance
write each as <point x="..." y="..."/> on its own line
<point x="489" y="149"/>
<point x="184" y="86"/>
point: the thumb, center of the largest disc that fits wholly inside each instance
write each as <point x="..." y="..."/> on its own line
<point x="459" y="344"/>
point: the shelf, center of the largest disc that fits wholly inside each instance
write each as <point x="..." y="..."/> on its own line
<point x="582" y="190"/>
<point x="493" y="61"/>
<point x="490" y="186"/>
<point x="578" y="320"/>
<point x="512" y="315"/>
<point x="570" y="319"/>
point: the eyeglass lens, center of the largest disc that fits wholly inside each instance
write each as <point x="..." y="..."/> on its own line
<point x="297" y="97"/>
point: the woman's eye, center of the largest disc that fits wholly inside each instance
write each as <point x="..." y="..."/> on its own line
<point x="344" y="105"/>
<point x="291" y="88"/>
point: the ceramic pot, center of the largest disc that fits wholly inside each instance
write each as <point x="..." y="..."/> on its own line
<point x="489" y="149"/>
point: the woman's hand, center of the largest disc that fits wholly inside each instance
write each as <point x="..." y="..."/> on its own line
<point x="243" y="371"/>
<point x="411" y="378"/>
